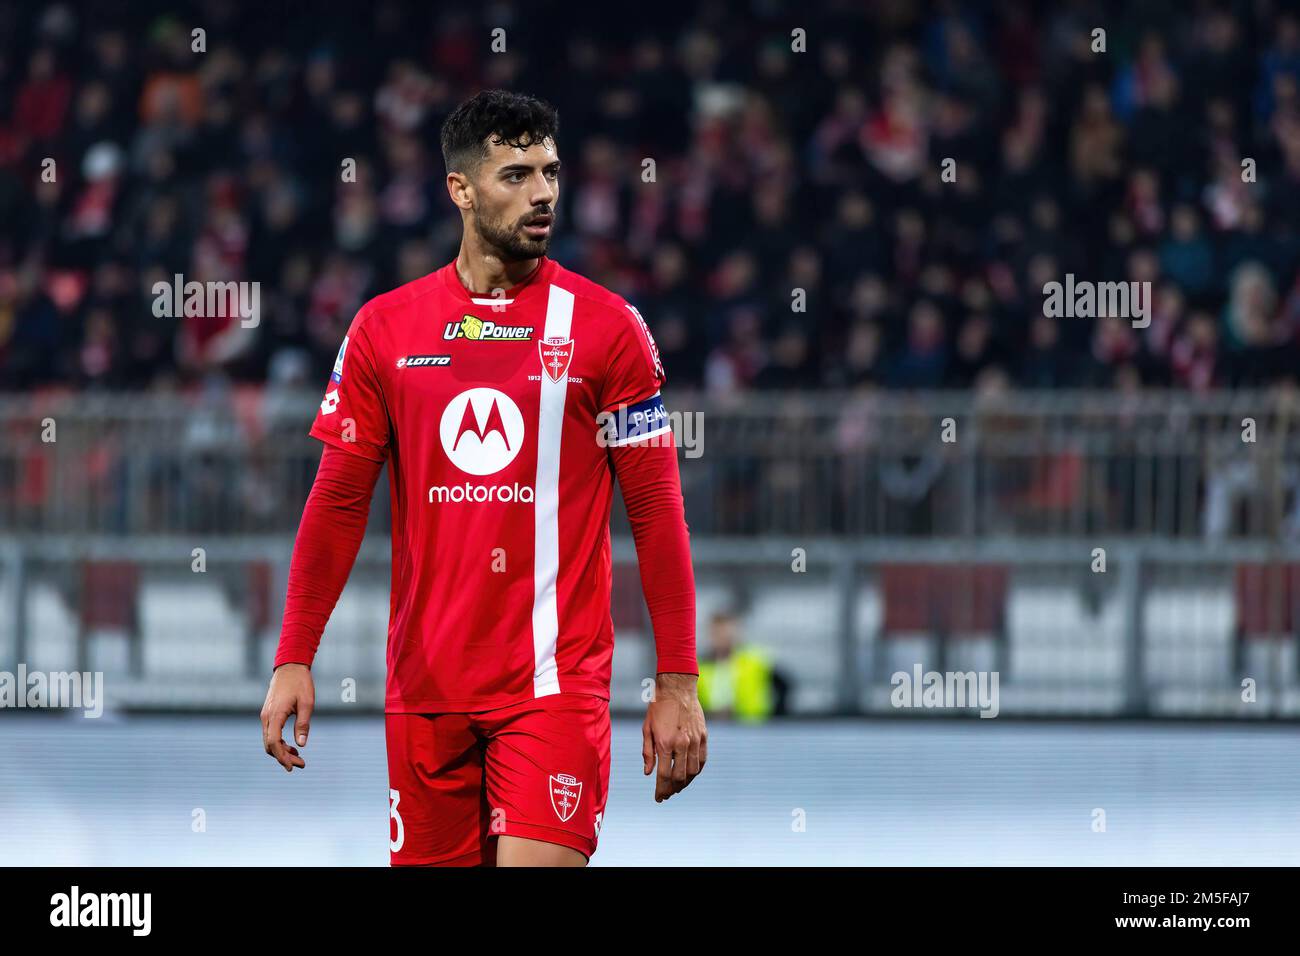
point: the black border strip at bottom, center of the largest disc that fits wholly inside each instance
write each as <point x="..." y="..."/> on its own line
<point x="975" y="905"/>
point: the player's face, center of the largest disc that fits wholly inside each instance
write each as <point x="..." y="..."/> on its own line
<point x="516" y="193"/>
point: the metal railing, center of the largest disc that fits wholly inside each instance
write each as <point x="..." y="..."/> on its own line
<point x="1104" y="554"/>
<point x="842" y="464"/>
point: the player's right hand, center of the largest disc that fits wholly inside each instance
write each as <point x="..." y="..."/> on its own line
<point x="291" y="692"/>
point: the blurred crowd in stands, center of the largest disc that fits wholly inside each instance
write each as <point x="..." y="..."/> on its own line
<point x="1171" y="157"/>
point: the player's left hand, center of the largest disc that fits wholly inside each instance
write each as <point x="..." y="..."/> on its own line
<point x="674" y="734"/>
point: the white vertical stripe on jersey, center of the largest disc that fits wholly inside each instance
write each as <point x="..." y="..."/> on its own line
<point x="546" y="505"/>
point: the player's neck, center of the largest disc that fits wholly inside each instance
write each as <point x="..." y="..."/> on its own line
<point x="482" y="271"/>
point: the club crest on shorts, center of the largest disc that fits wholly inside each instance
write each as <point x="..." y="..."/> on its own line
<point x="566" y="791"/>
<point x="555" y="354"/>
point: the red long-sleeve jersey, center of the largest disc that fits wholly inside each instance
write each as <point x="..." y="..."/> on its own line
<point x="505" y="422"/>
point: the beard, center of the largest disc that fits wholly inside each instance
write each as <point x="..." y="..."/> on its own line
<point x="510" y="241"/>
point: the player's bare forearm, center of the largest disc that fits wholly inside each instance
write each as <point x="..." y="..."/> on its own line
<point x="292" y="693"/>
<point x="674" y="735"/>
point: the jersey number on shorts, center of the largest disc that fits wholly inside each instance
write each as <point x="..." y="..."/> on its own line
<point x="394" y="798"/>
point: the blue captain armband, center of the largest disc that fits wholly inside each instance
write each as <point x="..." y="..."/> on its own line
<point x="630" y="423"/>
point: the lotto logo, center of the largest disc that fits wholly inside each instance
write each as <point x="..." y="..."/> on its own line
<point x="331" y="403"/>
<point x="423" y="361"/>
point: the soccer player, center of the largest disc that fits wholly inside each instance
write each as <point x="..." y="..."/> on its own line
<point x="505" y="393"/>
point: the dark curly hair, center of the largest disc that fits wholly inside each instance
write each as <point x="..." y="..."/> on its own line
<point x="511" y="118"/>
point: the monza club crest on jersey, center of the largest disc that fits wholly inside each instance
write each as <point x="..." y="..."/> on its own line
<point x="566" y="791"/>
<point x="556" y="354"/>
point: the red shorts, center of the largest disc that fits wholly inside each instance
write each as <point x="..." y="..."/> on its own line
<point x="538" y="769"/>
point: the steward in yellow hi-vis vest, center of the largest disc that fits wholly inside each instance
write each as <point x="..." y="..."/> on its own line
<point x="736" y="679"/>
<point x="740" y="683"/>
